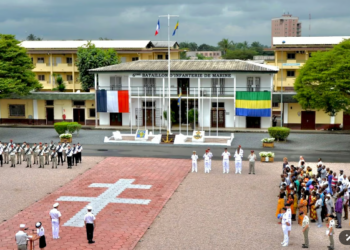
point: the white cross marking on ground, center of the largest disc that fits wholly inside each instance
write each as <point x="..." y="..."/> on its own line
<point x="100" y="202"/>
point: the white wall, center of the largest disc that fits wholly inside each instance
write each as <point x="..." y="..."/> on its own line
<point x="104" y="119"/>
<point x="240" y="121"/>
<point x="265" y="122"/>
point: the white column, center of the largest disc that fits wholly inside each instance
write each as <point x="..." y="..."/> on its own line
<point x="285" y="115"/>
<point x="271" y="89"/>
<point x="35" y="109"/>
<point x="130" y="111"/>
<point x="199" y="103"/>
<point x="163" y="100"/>
<point x="234" y="100"/>
<point x="95" y="101"/>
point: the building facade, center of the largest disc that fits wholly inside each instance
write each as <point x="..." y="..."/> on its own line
<point x="214" y="54"/>
<point x="285" y="26"/>
<point x="291" y="53"/>
<point x="52" y="58"/>
<point x="210" y="87"/>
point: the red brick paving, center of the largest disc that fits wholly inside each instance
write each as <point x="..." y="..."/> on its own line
<point x="119" y="226"/>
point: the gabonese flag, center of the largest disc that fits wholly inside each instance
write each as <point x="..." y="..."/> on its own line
<point x="113" y="101"/>
<point x="157" y="28"/>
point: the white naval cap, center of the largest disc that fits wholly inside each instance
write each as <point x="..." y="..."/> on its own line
<point x="22" y="226"/>
<point x="89" y="208"/>
<point x="56" y="204"/>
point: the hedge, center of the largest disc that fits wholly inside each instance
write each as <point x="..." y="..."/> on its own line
<point x="62" y="127"/>
<point x="279" y="133"/>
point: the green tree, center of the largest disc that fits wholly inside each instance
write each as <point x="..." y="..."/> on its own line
<point x="32" y="37"/>
<point x="240" y="54"/>
<point x="206" y="47"/>
<point x="324" y="80"/>
<point x="188" y="46"/>
<point x="16" y="75"/>
<point x="90" y="57"/>
<point x="225" y="45"/>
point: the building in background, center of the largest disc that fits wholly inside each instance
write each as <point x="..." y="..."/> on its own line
<point x="214" y="54"/>
<point x="290" y="56"/>
<point x="285" y="26"/>
<point x="58" y="58"/>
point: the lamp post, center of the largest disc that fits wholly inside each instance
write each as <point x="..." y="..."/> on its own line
<point x="283" y="42"/>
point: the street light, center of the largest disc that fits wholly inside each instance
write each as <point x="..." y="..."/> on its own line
<point x="283" y="42"/>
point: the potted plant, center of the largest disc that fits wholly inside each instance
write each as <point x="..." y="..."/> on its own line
<point x="190" y="116"/>
<point x="267" y="156"/>
<point x="268" y="142"/>
<point x="165" y="115"/>
<point x="60" y="84"/>
<point x="67" y="137"/>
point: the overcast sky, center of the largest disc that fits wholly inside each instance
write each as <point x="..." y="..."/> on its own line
<point x="201" y="21"/>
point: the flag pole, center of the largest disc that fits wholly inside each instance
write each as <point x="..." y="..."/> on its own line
<point x="209" y="110"/>
<point x="202" y="113"/>
<point x="160" y="111"/>
<point x="187" y="112"/>
<point x="145" y="111"/>
<point x="180" y="108"/>
<point x="217" y="111"/>
<point x="152" y="114"/>
<point x="138" y="108"/>
<point x="194" y="112"/>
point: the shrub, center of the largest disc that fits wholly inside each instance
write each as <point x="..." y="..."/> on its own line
<point x="191" y="116"/>
<point x="66" y="136"/>
<point x="279" y="133"/>
<point x="268" y="140"/>
<point x="267" y="154"/>
<point x="73" y="127"/>
<point x="62" y="127"/>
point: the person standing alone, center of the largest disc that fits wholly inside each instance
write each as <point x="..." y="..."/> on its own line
<point x="238" y="159"/>
<point x="55" y="217"/>
<point x="194" y="158"/>
<point x="90" y="224"/>
<point x="252" y="158"/>
<point x="226" y="161"/>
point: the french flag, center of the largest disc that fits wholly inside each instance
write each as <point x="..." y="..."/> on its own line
<point x="113" y="101"/>
<point x="157" y="29"/>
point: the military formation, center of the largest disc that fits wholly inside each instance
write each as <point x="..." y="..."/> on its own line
<point x="40" y="154"/>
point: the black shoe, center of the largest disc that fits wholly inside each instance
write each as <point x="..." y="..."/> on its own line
<point x="304" y="246"/>
<point x="249" y="173"/>
<point x="91" y="242"/>
<point x="27" y="166"/>
<point x="56" y="167"/>
<point x="17" y="163"/>
<point x="52" y="167"/>
<point x="14" y="166"/>
<point x="253" y="173"/>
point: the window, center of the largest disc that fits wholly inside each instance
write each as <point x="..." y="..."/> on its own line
<point x="217" y="83"/>
<point x="69" y="77"/>
<point x="149" y="85"/>
<point x="78" y="103"/>
<point x="275" y="104"/>
<point x="115" y="83"/>
<point x="160" y="57"/>
<point x="49" y="102"/>
<point x="290" y="56"/>
<point x="149" y="104"/>
<point x="17" y="110"/>
<point x="221" y="104"/>
<point x="290" y="73"/>
<point x="69" y="60"/>
<point x="41" y="77"/>
<point x="41" y="60"/>
<point x="135" y="59"/>
<point x="250" y="82"/>
<point x="92" y="113"/>
<point x="257" y="83"/>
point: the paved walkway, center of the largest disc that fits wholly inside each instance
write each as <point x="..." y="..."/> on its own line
<point x="126" y="194"/>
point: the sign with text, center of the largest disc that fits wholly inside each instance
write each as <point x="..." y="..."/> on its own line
<point x="182" y="75"/>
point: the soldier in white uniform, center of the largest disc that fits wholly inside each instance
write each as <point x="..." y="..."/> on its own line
<point x="289" y="212"/>
<point x="46" y="153"/>
<point x="206" y="162"/>
<point x="12" y="153"/>
<point x="90" y="224"/>
<point x="226" y="161"/>
<point x="6" y="153"/>
<point x="54" y="157"/>
<point x="286" y="222"/>
<point x="21" y="238"/>
<point x="1" y="152"/>
<point x="55" y="217"/>
<point x="64" y="151"/>
<point x="238" y="159"/>
<point x="19" y="154"/>
<point x="41" y="156"/>
<point x="80" y="150"/>
<point x="35" y="153"/>
<point x="41" y="233"/>
<point x="69" y="155"/>
<point x="210" y="156"/>
<point x="59" y="150"/>
<point x="194" y="158"/>
<point x="24" y="146"/>
<point x="28" y="154"/>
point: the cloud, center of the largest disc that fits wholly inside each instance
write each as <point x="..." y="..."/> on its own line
<point x="201" y="21"/>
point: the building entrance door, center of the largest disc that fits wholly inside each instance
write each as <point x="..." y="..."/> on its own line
<point x="308" y="120"/>
<point x="79" y="116"/>
<point x="182" y="85"/>
<point x="253" y="122"/>
<point x="149" y="117"/>
<point x="220" y="116"/>
<point x="49" y="116"/>
<point x="116" y="119"/>
<point x="346" y="121"/>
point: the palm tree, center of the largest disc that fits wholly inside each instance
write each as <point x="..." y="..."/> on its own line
<point x="224" y="45"/>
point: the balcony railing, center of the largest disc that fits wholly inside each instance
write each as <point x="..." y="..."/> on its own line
<point x="192" y="92"/>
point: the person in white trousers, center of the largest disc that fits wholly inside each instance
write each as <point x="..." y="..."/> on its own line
<point x="226" y="161"/>
<point x="238" y="159"/>
<point x="206" y="162"/>
<point x="286" y="222"/>
<point x="55" y="217"/>
<point x="194" y="158"/>
<point x="210" y="156"/>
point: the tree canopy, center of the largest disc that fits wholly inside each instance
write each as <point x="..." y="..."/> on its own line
<point x="90" y="57"/>
<point x="32" y="37"/>
<point x="16" y="76"/>
<point x="324" y="80"/>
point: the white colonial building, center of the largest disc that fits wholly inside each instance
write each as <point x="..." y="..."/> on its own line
<point x="209" y="86"/>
